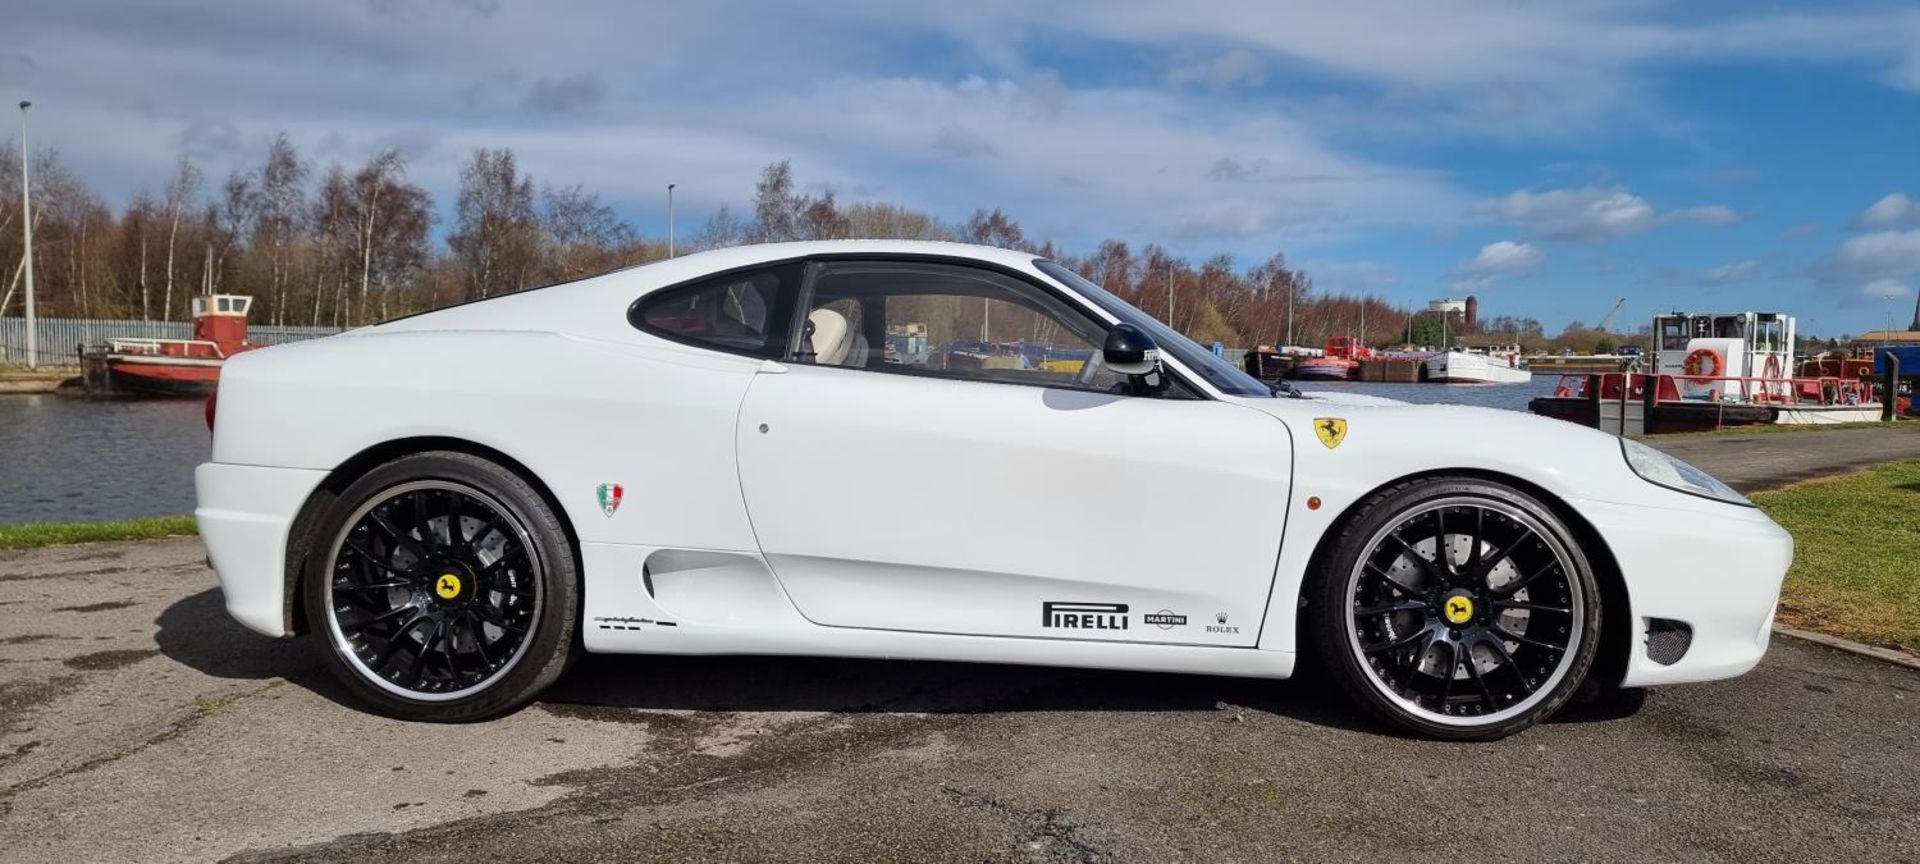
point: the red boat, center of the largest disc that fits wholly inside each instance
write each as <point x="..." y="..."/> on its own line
<point x="1340" y="362"/>
<point x="174" y="367"/>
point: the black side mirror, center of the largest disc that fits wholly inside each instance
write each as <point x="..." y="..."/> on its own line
<point x="1130" y="351"/>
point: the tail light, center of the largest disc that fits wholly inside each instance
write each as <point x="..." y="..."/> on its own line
<point x="213" y="400"/>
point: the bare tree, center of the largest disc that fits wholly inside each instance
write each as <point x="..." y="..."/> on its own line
<point x="280" y="193"/>
<point x="181" y="190"/>
<point x="583" y="235"/>
<point x="496" y="232"/>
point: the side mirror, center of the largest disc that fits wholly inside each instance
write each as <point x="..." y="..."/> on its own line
<point x="1130" y="351"/>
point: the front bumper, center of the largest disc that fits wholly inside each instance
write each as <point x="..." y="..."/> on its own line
<point x="1715" y="567"/>
<point x="244" y="513"/>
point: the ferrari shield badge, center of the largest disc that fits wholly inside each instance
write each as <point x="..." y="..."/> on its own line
<point x="1332" y="430"/>
<point x="610" y="498"/>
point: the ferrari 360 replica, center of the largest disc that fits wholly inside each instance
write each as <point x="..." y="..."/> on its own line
<point x="931" y="451"/>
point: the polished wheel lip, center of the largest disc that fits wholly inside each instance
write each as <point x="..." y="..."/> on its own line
<point x="1566" y="560"/>
<point x="510" y="524"/>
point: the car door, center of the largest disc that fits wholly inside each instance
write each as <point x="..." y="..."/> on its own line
<point x="936" y="455"/>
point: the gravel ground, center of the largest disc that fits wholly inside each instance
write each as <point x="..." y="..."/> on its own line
<point x="138" y="723"/>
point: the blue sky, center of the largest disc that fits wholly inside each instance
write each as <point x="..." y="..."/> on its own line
<point x="1549" y="157"/>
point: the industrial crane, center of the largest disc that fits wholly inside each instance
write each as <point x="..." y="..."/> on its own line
<point x="1602" y="326"/>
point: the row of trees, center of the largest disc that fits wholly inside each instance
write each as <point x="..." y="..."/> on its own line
<point x="355" y="245"/>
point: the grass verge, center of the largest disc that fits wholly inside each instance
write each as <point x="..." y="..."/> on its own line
<point x="1856" y="560"/>
<point x="29" y="535"/>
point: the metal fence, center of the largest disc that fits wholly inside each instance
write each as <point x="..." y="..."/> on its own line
<point x="60" y="337"/>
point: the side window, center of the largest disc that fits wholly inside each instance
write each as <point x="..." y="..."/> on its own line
<point x="949" y="321"/>
<point x="740" y="313"/>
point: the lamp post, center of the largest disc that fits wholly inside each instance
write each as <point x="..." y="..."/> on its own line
<point x="26" y="228"/>
<point x="670" y="219"/>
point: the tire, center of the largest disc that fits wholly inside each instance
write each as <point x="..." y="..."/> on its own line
<point x="1514" y="594"/>
<point x="427" y="624"/>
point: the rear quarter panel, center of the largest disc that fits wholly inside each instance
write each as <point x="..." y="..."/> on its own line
<point x="577" y="413"/>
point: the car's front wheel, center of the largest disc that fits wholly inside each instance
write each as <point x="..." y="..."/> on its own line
<point x="1455" y="608"/>
<point x="444" y="589"/>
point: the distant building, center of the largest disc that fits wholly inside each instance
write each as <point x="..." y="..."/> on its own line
<point x="1462" y="315"/>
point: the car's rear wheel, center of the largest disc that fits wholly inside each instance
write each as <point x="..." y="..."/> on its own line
<point x="444" y="588"/>
<point x="1456" y="608"/>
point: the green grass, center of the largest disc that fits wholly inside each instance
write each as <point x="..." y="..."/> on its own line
<point x="29" y="535"/>
<point x="1856" y="560"/>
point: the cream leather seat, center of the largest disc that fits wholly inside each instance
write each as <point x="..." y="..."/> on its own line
<point x="830" y="337"/>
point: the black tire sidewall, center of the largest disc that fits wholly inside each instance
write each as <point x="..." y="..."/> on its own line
<point x="1329" y="624"/>
<point x="556" y="631"/>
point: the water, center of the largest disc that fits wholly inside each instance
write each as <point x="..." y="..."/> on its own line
<point x="66" y="459"/>
<point x="70" y="459"/>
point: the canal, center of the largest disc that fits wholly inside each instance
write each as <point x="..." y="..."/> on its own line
<point x="67" y="459"/>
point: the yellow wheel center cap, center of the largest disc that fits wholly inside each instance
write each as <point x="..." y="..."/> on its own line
<point x="447" y="586"/>
<point x="1459" y="610"/>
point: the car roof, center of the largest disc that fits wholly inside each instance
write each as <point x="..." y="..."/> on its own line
<point x="597" y="304"/>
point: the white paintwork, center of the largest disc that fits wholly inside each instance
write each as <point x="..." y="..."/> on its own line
<point x="891" y="516"/>
<point x="1460" y="367"/>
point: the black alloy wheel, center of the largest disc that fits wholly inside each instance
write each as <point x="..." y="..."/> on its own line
<point x="1456" y="608"/>
<point x="444" y="588"/>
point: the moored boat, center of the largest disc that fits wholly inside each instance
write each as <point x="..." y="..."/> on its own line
<point x="173" y="367"/>
<point x="1340" y="363"/>
<point x="1712" y="370"/>
<point x="1460" y="367"/>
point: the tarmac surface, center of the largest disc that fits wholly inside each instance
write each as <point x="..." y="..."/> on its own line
<point x="139" y="723"/>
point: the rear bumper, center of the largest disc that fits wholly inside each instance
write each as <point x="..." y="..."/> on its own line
<point x="244" y="513"/>
<point x="1715" y="567"/>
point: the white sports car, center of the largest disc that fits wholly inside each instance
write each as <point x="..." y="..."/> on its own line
<point x="943" y="452"/>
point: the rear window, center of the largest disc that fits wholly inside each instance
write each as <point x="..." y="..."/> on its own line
<point x="739" y="313"/>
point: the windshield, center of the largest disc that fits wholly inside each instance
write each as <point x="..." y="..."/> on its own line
<point x="1218" y="372"/>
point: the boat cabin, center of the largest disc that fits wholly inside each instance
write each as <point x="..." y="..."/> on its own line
<point x="222" y="320"/>
<point x="1721" y="355"/>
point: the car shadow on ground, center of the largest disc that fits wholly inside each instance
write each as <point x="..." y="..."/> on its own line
<point x="198" y="633"/>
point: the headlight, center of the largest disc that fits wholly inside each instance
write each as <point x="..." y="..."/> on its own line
<point x="1660" y="469"/>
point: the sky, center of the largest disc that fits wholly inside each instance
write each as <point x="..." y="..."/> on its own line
<point x="1548" y="157"/>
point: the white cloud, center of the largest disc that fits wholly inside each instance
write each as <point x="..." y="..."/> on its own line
<point x="1884" y="289"/>
<point x="1237" y="66"/>
<point x="1879" y="254"/>
<point x="1734" y="272"/>
<point x="1590" y="214"/>
<point x="1586" y="214"/>
<point x="1872" y="266"/>
<point x="1892" y="211"/>
<point x="1502" y="258"/>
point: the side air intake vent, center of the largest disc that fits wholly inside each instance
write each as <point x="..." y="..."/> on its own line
<point x="1668" y="640"/>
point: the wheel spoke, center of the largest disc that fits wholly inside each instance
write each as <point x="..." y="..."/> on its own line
<point x="422" y="522"/>
<point x="1473" y="671"/>
<point x="1531" y="607"/>
<point x="1401" y="642"/>
<point x="1426" y="565"/>
<point x="393" y="642"/>
<point x="1390" y="608"/>
<point x="1527" y="640"/>
<point x="1392" y="584"/>
<point x="400" y="537"/>
<point x="1512" y="588"/>
<point x="371" y="620"/>
<point x="1419" y="659"/>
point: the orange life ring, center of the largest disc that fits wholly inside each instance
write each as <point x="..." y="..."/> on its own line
<point x="1706" y="359"/>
